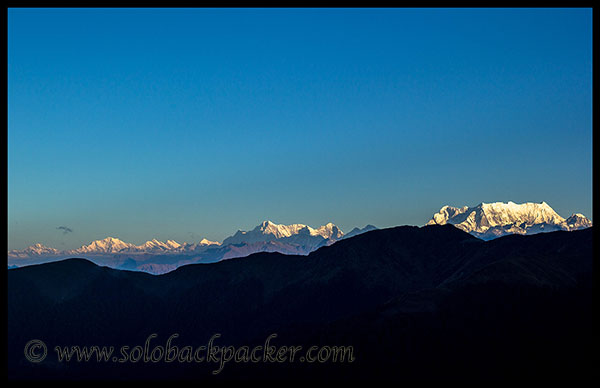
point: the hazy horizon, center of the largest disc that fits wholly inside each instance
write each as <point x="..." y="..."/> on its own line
<point x="232" y="232"/>
<point x="186" y="124"/>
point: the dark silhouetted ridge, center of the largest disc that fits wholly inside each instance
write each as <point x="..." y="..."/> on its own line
<point x="430" y="302"/>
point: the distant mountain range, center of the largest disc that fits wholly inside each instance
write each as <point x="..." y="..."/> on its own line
<point x="297" y="233"/>
<point x="414" y="303"/>
<point x="159" y="257"/>
<point x="486" y="221"/>
<point x="357" y="231"/>
<point x="112" y="245"/>
<point x="491" y="220"/>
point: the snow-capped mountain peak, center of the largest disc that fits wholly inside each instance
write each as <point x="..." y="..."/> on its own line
<point x="33" y="251"/>
<point x="328" y="231"/>
<point x="172" y="244"/>
<point x="279" y="231"/>
<point x="106" y="245"/>
<point x="154" y="244"/>
<point x="578" y="221"/>
<point x="205" y="241"/>
<point x="270" y="231"/>
<point x="490" y="220"/>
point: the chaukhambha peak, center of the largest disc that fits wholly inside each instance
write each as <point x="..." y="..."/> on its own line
<point x="490" y="220"/>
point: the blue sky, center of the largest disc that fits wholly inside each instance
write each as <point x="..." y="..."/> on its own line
<point x="192" y="123"/>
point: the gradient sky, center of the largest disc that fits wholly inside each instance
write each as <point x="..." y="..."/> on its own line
<point x="190" y="123"/>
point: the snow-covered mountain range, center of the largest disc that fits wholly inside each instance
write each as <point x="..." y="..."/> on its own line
<point x="157" y="257"/>
<point x="297" y="234"/>
<point x="35" y="250"/>
<point x="110" y="245"/>
<point x="486" y="221"/>
<point x="490" y="220"/>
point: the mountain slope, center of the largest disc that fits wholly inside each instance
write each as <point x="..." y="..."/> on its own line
<point x="357" y="231"/>
<point x="413" y="301"/>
